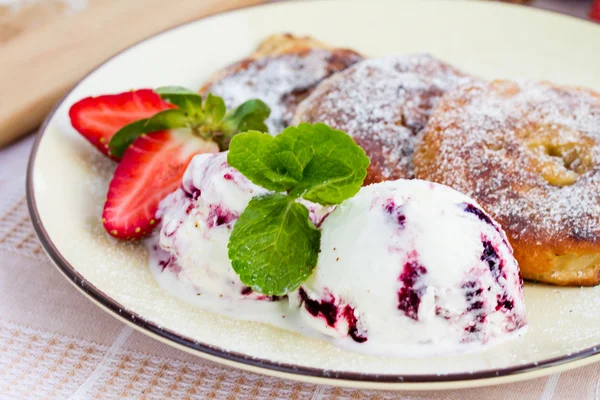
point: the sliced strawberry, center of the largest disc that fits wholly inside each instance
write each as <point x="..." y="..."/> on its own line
<point x="99" y="118"/>
<point x="151" y="168"/>
<point x="595" y="11"/>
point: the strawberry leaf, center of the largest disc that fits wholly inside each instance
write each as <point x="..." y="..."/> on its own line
<point x="250" y="115"/>
<point x="168" y="119"/>
<point x="208" y="120"/>
<point x="214" y="108"/>
<point x="183" y="98"/>
<point x="246" y="117"/>
<point x="98" y="118"/>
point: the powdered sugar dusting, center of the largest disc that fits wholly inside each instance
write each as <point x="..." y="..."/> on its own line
<point x="512" y="146"/>
<point x="384" y="103"/>
<point x="280" y="81"/>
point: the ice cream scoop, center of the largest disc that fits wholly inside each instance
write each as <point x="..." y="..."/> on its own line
<point x="410" y="267"/>
<point x="197" y="221"/>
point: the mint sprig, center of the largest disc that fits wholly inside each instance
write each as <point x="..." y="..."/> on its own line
<point x="274" y="246"/>
<point x="208" y="119"/>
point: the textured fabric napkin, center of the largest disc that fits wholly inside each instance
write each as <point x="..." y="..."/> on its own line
<point x="56" y="344"/>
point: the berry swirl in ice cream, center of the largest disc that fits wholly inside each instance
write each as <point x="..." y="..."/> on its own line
<point x="412" y="266"/>
<point x="406" y="267"/>
<point x="197" y="221"/>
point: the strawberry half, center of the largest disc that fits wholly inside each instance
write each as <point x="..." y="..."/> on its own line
<point x="99" y="118"/>
<point x="151" y="168"/>
<point x="595" y="11"/>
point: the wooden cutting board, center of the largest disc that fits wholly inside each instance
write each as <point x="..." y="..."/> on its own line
<point x="47" y="46"/>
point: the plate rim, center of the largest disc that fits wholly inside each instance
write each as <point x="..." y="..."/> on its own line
<point x="259" y="365"/>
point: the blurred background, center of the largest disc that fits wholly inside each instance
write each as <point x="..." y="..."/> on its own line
<point x="46" y="46"/>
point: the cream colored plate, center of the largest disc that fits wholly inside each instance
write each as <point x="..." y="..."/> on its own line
<point x="68" y="181"/>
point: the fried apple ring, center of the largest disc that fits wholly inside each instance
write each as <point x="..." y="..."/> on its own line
<point x="384" y="104"/>
<point x="529" y="153"/>
<point x="282" y="71"/>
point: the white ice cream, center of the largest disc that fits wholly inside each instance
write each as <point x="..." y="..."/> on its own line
<point x="197" y="221"/>
<point x="405" y="268"/>
<point x="412" y="268"/>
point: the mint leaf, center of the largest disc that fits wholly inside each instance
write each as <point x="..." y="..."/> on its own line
<point x="167" y="119"/>
<point x="314" y="162"/>
<point x="334" y="165"/>
<point x="255" y="155"/>
<point x="183" y="98"/>
<point x="274" y="246"/>
<point x="248" y="116"/>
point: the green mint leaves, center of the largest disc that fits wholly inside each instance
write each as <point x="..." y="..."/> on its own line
<point x="274" y="246"/>
<point x="314" y="162"/>
<point x="208" y="119"/>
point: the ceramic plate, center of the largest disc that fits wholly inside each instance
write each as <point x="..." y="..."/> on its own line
<point x="68" y="180"/>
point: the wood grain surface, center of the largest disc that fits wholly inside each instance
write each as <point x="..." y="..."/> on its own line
<point x="47" y="46"/>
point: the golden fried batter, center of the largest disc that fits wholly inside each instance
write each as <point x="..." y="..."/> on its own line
<point x="529" y="153"/>
<point x="282" y="71"/>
